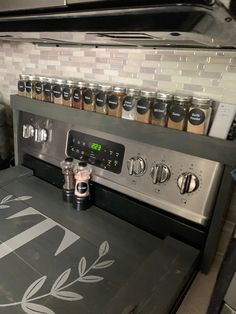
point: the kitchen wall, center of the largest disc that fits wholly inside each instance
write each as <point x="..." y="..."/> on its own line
<point x="195" y="72"/>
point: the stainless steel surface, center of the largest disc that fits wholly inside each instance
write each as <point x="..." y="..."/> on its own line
<point x="15" y="5"/>
<point x="195" y="206"/>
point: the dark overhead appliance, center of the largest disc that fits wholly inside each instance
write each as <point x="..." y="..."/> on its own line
<point x="199" y="23"/>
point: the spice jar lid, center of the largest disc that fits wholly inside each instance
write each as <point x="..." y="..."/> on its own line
<point x="132" y="91"/>
<point x="60" y="81"/>
<point x="104" y="87"/>
<point x="147" y="93"/>
<point x="70" y="82"/>
<point x="81" y="84"/>
<point x="119" y="89"/>
<point x="32" y="77"/>
<point x="164" y="95"/>
<point x="68" y="163"/>
<point x="41" y="78"/>
<point x="24" y="76"/>
<point x="182" y="98"/>
<point x="201" y="101"/>
<point x="49" y="79"/>
<point x="92" y="85"/>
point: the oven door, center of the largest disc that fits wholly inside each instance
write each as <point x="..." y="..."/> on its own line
<point x="54" y="259"/>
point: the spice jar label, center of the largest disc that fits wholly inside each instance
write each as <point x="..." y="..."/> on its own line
<point x="21" y="86"/>
<point x="101" y="99"/>
<point x="143" y="106"/>
<point x="82" y="187"/>
<point x="128" y="103"/>
<point x="57" y="91"/>
<point x="77" y="95"/>
<point x="159" y="110"/>
<point x="28" y="86"/>
<point x="113" y="102"/>
<point x="88" y="97"/>
<point x="176" y="113"/>
<point x="38" y="87"/>
<point x="47" y="90"/>
<point x="196" y="117"/>
<point x="66" y="93"/>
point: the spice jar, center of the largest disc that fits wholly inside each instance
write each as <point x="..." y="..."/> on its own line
<point x="89" y="102"/>
<point x="21" y="84"/>
<point x="129" y="109"/>
<point x="102" y="98"/>
<point x="178" y="112"/>
<point x="30" y="86"/>
<point x="199" y="115"/>
<point x="68" y="188"/>
<point x="159" y="114"/>
<point x="57" y="91"/>
<point x="47" y="89"/>
<point x="82" y="174"/>
<point x="144" y="105"/>
<point x="67" y="93"/>
<point x="39" y="87"/>
<point x="115" y="101"/>
<point x="78" y="93"/>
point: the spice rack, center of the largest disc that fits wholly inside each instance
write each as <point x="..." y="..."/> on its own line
<point x="188" y="143"/>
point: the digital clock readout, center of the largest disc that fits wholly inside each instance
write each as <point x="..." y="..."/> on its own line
<point x="95" y="146"/>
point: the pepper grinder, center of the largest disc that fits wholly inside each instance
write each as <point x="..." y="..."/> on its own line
<point x="67" y="166"/>
<point x="82" y="198"/>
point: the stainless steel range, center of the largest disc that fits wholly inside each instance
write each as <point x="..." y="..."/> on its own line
<point x="135" y="250"/>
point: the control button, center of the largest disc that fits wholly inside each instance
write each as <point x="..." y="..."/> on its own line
<point x="41" y="135"/>
<point x="77" y="151"/>
<point x="187" y="182"/>
<point x="136" y="166"/>
<point x="160" y="173"/>
<point x="110" y="152"/>
<point x="116" y="162"/>
<point x="117" y="154"/>
<point x="28" y="131"/>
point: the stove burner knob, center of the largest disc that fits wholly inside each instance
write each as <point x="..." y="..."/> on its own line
<point x="188" y="182"/>
<point x="28" y="131"/>
<point x="41" y="135"/>
<point x="160" y="173"/>
<point x="130" y="166"/>
<point x="136" y="166"/>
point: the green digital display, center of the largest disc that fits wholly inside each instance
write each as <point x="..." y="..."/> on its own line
<point x="96" y="146"/>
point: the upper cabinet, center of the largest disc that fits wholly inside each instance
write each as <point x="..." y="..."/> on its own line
<point x="15" y="5"/>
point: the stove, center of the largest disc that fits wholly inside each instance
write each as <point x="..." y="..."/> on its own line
<point x="135" y="250"/>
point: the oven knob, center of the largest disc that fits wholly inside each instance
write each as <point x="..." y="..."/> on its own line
<point x="160" y="173"/>
<point x="130" y="166"/>
<point x="188" y="182"/>
<point x="136" y="166"/>
<point x="41" y="135"/>
<point x="28" y="131"/>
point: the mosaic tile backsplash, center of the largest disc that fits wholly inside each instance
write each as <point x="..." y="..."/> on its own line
<point x="196" y="72"/>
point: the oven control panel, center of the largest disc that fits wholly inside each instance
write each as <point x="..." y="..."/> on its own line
<point x="178" y="183"/>
<point x="96" y="151"/>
